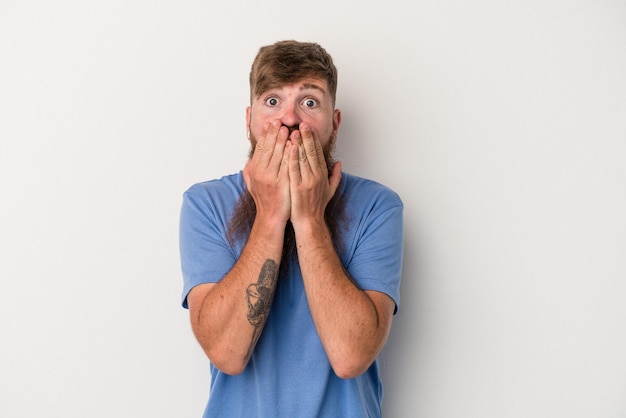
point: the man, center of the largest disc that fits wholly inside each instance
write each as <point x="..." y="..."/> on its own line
<point x="291" y="267"/>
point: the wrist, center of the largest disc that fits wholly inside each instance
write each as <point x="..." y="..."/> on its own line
<point x="310" y="227"/>
<point x="269" y="227"/>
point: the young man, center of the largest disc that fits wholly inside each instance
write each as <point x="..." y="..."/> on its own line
<point x="291" y="267"/>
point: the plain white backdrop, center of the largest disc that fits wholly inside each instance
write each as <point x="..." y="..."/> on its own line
<point x="500" y="123"/>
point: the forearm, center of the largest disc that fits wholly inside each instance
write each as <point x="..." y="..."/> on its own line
<point x="228" y="318"/>
<point x="352" y="326"/>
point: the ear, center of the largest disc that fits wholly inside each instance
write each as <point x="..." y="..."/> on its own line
<point x="248" y="116"/>
<point x="336" y="120"/>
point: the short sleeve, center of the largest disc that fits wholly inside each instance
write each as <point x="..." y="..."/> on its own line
<point x="205" y="254"/>
<point x="376" y="260"/>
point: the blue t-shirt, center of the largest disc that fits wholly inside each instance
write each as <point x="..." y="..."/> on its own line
<point x="289" y="374"/>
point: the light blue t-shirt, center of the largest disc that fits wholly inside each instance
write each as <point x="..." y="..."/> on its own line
<point x="289" y="374"/>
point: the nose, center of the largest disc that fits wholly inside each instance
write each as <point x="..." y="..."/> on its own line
<point x="290" y="117"/>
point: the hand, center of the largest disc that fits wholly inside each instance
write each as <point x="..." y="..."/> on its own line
<point x="310" y="185"/>
<point x="267" y="174"/>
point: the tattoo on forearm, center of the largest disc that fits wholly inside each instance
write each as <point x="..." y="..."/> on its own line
<point x="259" y="297"/>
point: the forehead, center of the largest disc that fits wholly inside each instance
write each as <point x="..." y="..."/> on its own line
<point x="306" y="84"/>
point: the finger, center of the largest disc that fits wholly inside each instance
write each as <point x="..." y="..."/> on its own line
<point x="284" y="162"/>
<point x="259" y="147"/>
<point x="264" y="149"/>
<point x="303" y="158"/>
<point x="312" y="147"/>
<point x="295" y="174"/>
<point x="279" y="148"/>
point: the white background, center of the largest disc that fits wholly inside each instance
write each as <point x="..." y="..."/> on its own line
<point x="502" y="124"/>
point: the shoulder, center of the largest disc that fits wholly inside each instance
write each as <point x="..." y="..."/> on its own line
<point x="230" y="184"/>
<point x="359" y="191"/>
<point x="215" y="198"/>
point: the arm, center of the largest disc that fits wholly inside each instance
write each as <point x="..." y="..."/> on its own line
<point x="227" y="317"/>
<point x="353" y="325"/>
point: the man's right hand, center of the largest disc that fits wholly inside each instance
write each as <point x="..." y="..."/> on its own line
<point x="228" y="316"/>
<point x="267" y="174"/>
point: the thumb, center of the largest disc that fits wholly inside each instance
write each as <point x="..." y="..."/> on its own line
<point x="335" y="177"/>
<point x="246" y="174"/>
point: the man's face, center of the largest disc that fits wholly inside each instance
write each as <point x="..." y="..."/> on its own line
<point x="307" y="100"/>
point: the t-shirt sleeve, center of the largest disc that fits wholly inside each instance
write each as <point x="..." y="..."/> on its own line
<point x="205" y="254"/>
<point x="376" y="263"/>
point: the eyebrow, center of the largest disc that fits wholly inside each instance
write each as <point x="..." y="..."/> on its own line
<point x="312" y="86"/>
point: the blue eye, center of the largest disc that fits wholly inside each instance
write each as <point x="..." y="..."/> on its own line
<point x="272" y="101"/>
